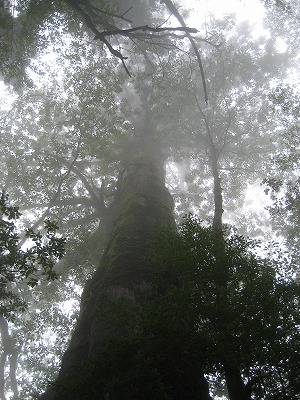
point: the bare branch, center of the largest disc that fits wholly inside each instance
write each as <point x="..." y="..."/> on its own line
<point x="177" y="15"/>
<point x="145" y="28"/>
<point x="97" y="10"/>
<point x="87" y="19"/>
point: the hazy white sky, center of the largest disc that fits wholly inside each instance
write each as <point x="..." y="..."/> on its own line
<point x="244" y="9"/>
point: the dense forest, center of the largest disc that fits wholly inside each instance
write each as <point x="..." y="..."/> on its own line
<point x="150" y="200"/>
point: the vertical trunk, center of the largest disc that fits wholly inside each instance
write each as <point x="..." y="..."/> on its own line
<point x="143" y="207"/>
<point x="8" y="350"/>
<point x="237" y="389"/>
<point x="221" y="264"/>
<point x="12" y="373"/>
<point x="218" y="199"/>
<point x="2" y="378"/>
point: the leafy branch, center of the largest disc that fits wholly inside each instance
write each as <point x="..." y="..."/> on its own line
<point x="24" y="266"/>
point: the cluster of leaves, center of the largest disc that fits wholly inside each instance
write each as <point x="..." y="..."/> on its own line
<point x="261" y="328"/>
<point x="24" y="267"/>
<point x="285" y="210"/>
<point x="20" y="27"/>
<point x="283" y="183"/>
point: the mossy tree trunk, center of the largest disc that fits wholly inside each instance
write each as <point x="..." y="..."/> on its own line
<point x="143" y="206"/>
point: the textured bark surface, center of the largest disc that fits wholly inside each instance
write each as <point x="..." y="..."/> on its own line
<point x="143" y="207"/>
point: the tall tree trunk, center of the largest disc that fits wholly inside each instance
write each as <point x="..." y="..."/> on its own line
<point x="237" y="389"/>
<point x="143" y="206"/>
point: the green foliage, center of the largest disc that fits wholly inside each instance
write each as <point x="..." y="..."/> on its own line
<point x="283" y="184"/>
<point x="261" y="332"/>
<point x="21" y="38"/>
<point x="285" y="210"/>
<point x="18" y="266"/>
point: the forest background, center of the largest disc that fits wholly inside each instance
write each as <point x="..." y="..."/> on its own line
<point x="91" y="88"/>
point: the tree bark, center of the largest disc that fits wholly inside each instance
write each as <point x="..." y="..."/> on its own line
<point x="236" y="387"/>
<point x="8" y="349"/>
<point x="143" y="206"/>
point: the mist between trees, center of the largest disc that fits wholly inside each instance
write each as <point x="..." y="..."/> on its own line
<point x="132" y="266"/>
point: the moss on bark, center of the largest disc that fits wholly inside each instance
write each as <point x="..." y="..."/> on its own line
<point x="143" y="207"/>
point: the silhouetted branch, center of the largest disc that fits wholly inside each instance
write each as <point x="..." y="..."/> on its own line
<point x="81" y="7"/>
<point x="177" y="15"/>
<point x="99" y="11"/>
<point x="144" y="28"/>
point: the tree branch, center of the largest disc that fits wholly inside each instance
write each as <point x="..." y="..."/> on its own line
<point x="136" y="31"/>
<point x="144" y="28"/>
<point x="177" y="15"/>
<point x="98" y="202"/>
<point x="63" y="202"/>
<point x="97" y="10"/>
<point x="56" y="194"/>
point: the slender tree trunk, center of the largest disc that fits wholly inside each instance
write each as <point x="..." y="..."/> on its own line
<point x="2" y="378"/>
<point x="237" y="389"/>
<point x="8" y="350"/>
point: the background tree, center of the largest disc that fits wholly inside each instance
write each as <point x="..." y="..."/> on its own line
<point x="21" y="268"/>
<point x="261" y="311"/>
<point x="283" y="180"/>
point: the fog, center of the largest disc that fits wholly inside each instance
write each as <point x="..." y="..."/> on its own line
<point x="149" y="153"/>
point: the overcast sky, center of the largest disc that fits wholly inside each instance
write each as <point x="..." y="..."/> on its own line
<point x="245" y="10"/>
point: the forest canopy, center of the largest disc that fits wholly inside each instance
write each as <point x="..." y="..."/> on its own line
<point x="150" y="150"/>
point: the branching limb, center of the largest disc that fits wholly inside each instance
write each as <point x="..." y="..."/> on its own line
<point x="177" y="15"/>
<point x="56" y="194"/>
<point x="86" y="201"/>
<point x="98" y="202"/>
<point x="145" y="28"/>
<point x="87" y="19"/>
<point x="97" y="10"/>
<point x="85" y="10"/>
